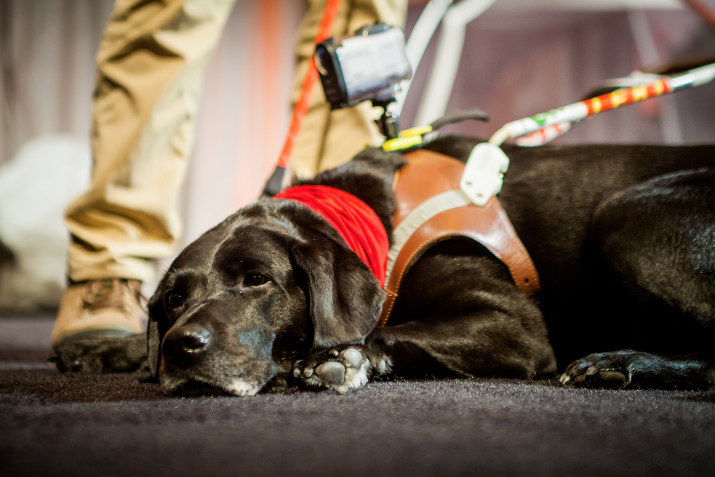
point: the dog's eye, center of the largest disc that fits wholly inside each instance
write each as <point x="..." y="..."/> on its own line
<point x="174" y="299"/>
<point x="255" y="279"/>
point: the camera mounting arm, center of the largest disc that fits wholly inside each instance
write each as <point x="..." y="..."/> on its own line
<point x="388" y="122"/>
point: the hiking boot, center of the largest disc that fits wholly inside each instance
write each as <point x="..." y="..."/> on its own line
<point x="99" y="327"/>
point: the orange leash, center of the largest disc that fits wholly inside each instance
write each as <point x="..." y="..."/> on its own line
<point x="274" y="183"/>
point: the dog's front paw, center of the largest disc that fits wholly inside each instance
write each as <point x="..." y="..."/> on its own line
<point x="342" y="368"/>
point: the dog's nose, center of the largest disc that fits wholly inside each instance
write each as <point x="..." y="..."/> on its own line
<point x="195" y="338"/>
<point x="190" y="339"/>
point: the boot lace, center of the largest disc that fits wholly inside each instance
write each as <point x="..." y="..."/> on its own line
<point x="112" y="293"/>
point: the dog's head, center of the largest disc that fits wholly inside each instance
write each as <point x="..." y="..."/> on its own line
<point x="252" y="295"/>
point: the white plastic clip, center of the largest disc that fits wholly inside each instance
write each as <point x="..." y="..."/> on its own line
<point x="483" y="175"/>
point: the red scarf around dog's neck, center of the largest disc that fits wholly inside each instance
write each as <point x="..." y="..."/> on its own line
<point x="354" y="220"/>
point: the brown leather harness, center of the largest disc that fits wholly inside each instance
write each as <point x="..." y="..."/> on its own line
<point x="431" y="208"/>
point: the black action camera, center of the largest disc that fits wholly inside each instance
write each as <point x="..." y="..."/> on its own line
<point x="367" y="66"/>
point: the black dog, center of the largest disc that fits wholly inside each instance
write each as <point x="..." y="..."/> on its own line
<point x="623" y="238"/>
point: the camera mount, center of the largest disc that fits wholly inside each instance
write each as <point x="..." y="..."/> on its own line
<point x="370" y="65"/>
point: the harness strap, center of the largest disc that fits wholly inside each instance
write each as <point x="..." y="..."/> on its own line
<point x="431" y="209"/>
<point x="426" y="210"/>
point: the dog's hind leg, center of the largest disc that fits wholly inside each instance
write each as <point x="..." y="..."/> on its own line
<point x="637" y="369"/>
<point x="460" y="315"/>
<point x="657" y="241"/>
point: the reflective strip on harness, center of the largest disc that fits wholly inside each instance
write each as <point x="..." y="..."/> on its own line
<point x="436" y="205"/>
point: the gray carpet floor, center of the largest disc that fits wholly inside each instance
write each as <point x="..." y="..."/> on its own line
<point x="77" y="425"/>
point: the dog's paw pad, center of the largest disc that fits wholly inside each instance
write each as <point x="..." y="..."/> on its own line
<point x="341" y="369"/>
<point x="331" y="373"/>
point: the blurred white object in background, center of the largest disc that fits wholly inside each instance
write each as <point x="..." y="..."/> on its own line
<point x="36" y="186"/>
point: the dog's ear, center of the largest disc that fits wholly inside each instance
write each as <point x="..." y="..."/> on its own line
<point x="345" y="297"/>
<point x="156" y="329"/>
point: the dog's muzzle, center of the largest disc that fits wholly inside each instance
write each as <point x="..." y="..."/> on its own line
<point x="197" y="360"/>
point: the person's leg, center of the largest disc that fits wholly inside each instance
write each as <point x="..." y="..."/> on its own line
<point x="327" y="138"/>
<point x="149" y="72"/>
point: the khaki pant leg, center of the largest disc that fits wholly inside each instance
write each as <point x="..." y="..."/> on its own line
<point x="327" y="138"/>
<point x="149" y="72"/>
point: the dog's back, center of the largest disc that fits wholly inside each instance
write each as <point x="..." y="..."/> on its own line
<point x="623" y="238"/>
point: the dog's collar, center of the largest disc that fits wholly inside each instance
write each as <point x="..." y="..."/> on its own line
<point x="354" y="220"/>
